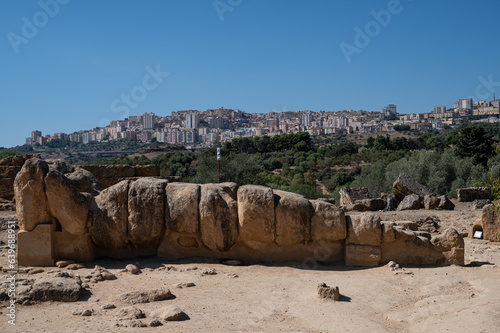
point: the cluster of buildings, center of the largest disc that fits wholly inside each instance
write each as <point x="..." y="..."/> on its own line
<point x="192" y="127"/>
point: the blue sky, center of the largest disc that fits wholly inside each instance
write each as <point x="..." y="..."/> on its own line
<point x="254" y="55"/>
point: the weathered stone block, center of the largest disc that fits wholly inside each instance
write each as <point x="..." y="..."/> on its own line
<point x="473" y="193"/>
<point x="364" y="229"/>
<point x="348" y="196"/>
<point x="362" y="255"/>
<point x="491" y="223"/>
<point x="146" y="220"/>
<point x="34" y="248"/>
<point x="328" y="222"/>
<point x="182" y="202"/>
<point x="293" y="218"/>
<point x="257" y="226"/>
<point x="218" y="216"/>
<point x="29" y="188"/>
<point x="406" y="185"/>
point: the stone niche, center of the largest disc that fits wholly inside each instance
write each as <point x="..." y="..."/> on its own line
<point x="70" y="216"/>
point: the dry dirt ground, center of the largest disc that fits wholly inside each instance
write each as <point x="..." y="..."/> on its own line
<point x="282" y="297"/>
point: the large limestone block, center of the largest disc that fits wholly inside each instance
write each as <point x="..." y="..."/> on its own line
<point x="328" y="222"/>
<point x="84" y="181"/>
<point x="491" y="222"/>
<point x="449" y="239"/>
<point x="257" y="226"/>
<point x="293" y="218"/>
<point x="406" y="185"/>
<point x="29" y="192"/>
<point x="348" y="195"/>
<point x="218" y="216"/>
<point x="410" y="202"/>
<point x="60" y="165"/>
<point x="68" y="246"/>
<point x="473" y="193"/>
<point x="364" y="229"/>
<point x="66" y="204"/>
<point x="452" y="245"/>
<point x="146" y="220"/>
<point x="34" y="248"/>
<point x="110" y="213"/>
<point x="362" y="255"/>
<point x="182" y="201"/>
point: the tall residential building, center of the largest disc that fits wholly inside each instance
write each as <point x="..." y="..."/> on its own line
<point x="148" y="120"/>
<point x="217" y="122"/>
<point x="307" y="119"/>
<point x="389" y="110"/>
<point x="192" y="120"/>
<point x="439" y="109"/>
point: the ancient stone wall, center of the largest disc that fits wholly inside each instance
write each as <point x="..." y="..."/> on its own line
<point x="66" y="216"/>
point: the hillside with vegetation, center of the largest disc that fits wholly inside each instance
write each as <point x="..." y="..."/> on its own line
<point x="443" y="161"/>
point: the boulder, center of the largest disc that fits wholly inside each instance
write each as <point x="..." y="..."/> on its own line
<point x="364" y="229"/>
<point x="412" y="201"/>
<point x="473" y="193"/>
<point x="356" y="207"/>
<point x="406" y="185"/>
<point x="146" y="205"/>
<point x="218" y="216"/>
<point x="145" y="296"/>
<point x="445" y="203"/>
<point x="132" y="269"/>
<point x="480" y="203"/>
<point x="452" y="246"/>
<point x="371" y="204"/>
<point x="66" y="204"/>
<point x="60" y="166"/>
<point x="328" y="222"/>
<point x="110" y="217"/>
<point x="257" y="226"/>
<point x="431" y="202"/>
<point x="182" y="201"/>
<point x="60" y="289"/>
<point x="325" y="291"/>
<point x="29" y="189"/>
<point x="84" y="181"/>
<point x="130" y="312"/>
<point x="349" y="195"/>
<point x="293" y="218"/>
<point x="168" y="313"/>
<point x="490" y="221"/>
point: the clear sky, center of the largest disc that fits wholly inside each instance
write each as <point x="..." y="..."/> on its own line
<point x="71" y="66"/>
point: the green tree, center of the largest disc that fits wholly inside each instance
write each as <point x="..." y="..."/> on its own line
<point x="475" y="142"/>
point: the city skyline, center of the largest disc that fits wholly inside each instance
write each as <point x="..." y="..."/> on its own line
<point x="70" y="65"/>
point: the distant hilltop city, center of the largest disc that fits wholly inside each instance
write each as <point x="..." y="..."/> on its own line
<point x="203" y="128"/>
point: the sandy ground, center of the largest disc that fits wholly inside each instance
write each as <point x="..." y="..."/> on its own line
<point x="282" y="297"/>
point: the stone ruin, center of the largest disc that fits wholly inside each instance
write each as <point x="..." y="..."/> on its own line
<point x="65" y="214"/>
<point x="415" y="196"/>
